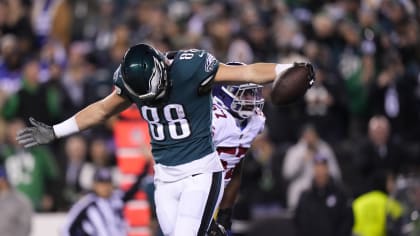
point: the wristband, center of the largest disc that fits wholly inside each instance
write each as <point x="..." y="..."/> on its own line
<point x="280" y="68"/>
<point x="66" y="128"/>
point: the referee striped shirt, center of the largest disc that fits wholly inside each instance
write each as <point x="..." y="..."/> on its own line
<point x="95" y="216"/>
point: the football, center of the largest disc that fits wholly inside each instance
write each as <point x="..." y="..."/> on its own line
<point x="292" y="84"/>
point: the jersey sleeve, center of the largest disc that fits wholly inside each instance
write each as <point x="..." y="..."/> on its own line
<point x="206" y="71"/>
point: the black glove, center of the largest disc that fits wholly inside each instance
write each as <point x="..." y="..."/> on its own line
<point x="224" y="217"/>
<point x="311" y="71"/>
<point x="40" y="133"/>
<point x="216" y="229"/>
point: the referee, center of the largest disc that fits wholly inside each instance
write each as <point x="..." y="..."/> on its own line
<point x="100" y="213"/>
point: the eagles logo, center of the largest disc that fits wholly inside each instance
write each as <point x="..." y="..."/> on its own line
<point x="210" y="63"/>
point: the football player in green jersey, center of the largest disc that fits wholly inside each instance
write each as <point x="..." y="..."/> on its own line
<point x="173" y="93"/>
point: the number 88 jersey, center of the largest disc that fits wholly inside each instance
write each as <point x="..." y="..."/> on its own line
<point x="180" y="127"/>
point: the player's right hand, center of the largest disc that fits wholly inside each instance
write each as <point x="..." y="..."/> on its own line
<point x="39" y="133"/>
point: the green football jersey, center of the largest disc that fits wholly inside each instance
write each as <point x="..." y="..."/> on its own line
<point x="180" y="128"/>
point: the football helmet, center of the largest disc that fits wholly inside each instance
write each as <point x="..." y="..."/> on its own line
<point x="144" y="73"/>
<point x="241" y="100"/>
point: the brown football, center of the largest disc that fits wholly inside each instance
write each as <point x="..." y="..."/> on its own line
<point x="291" y="85"/>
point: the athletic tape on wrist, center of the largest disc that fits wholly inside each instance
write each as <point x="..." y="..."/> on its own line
<point x="66" y="128"/>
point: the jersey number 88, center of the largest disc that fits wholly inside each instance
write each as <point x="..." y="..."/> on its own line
<point x="174" y="115"/>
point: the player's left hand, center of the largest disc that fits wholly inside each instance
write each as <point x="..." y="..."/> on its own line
<point x="39" y="133"/>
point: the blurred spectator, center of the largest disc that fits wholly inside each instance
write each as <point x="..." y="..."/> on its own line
<point x="51" y="20"/>
<point x="392" y="96"/>
<point x="220" y="36"/>
<point x="380" y="152"/>
<point x="16" y="209"/>
<point x="33" y="172"/>
<point x="408" y="194"/>
<point x="298" y="163"/>
<point x="101" y="211"/>
<point x="239" y="50"/>
<point x="74" y="78"/>
<point x="376" y="212"/>
<point x="17" y="23"/>
<point x="148" y="23"/>
<point x="10" y="64"/>
<point x="259" y="193"/>
<point x="325" y="208"/>
<point x="326" y="106"/>
<point x="31" y="100"/>
<point x="288" y="35"/>
<point x="58" y="99"/>
<point x="75" y="152"/>
<point x="51" y="53"/>
<point x="356" y="65"/>
<point x="109" y="59"/>
<point x="101" y="156"/>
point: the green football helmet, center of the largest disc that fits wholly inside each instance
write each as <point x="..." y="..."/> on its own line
<point x="144" y="73"/>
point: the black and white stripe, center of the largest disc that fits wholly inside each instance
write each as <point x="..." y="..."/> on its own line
<point x="94" y="216"/>
<point x="211" y="203"/>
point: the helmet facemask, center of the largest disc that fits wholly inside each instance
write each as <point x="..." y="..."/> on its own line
<point x="245" y="100"/>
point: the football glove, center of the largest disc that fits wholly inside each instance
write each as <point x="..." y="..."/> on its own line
<point x="224" y="218"/>
<point x="216" y="229"/>
<point x="310" y="67"/>
<point x="39" y="133"/>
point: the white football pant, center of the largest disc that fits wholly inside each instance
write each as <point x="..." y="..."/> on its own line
<point x="186" y="207"/>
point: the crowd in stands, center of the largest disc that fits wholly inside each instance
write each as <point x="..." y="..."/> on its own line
<point x="360" y="119"/>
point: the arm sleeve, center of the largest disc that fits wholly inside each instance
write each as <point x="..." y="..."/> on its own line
<point x="206" y="72"/>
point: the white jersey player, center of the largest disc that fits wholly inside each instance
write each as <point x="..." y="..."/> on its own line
<point x="237" y="120"/>
<point x="233" y="136"/>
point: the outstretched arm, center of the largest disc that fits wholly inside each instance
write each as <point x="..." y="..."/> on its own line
<point x="258" y="73"/>
<point x="90" y="116"/>
<point x="100" y="111"/>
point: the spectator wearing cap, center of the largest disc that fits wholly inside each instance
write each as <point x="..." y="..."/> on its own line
<point x="298" y="163"/>
<point x="325" y="208"/>
<point x="16" y="209"/>
<point x="100" y="212"/>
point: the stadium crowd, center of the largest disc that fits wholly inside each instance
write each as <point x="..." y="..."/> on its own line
<point x="361" y="118"/>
